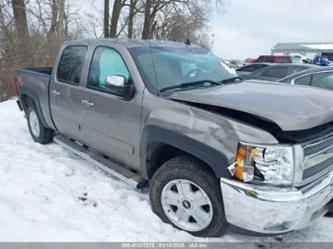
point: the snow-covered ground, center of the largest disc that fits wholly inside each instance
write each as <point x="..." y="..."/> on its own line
<point x="48" y="194"/>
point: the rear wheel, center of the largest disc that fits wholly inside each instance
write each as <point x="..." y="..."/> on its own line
<point x="188" y="196"/>
<point x="38" y="132"/>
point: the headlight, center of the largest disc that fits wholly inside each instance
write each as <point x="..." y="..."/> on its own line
<point x="267" y="164"/>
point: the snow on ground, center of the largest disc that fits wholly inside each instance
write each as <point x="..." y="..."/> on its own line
<point x="48" y="194"/>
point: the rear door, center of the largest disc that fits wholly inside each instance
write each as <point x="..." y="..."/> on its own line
<point x="65" y="90"/>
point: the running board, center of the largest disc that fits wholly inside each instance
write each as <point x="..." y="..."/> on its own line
<point x="103" y="163"/>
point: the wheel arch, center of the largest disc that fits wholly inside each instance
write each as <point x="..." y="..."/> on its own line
<point x="29" y="99"/>
<point x="159" y="145"/>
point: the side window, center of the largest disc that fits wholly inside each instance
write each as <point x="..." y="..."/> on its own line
<point x="71" y="63"/>
<point x="105" y="62"/>
<point x="276" y="72"/>
<point x="283" y="60"/>
<point x="304" y="81"/>
<point x="296" y="69"/>
<point x="323" y="80"/>
<point x="259" y="66"/>
<point x="270" y="59"/>
<point x="250" y="69"/>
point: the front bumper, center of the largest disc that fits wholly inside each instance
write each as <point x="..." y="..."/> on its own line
<point x="274" y="210"/>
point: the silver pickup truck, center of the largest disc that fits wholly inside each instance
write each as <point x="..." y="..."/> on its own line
<point x="213" y="150"/>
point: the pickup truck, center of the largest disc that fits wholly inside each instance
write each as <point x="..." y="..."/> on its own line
<point x="213" y="150"/>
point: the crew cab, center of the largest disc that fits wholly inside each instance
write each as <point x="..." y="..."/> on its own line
<point x="213" y="150"/>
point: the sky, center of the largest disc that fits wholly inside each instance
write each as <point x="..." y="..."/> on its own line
<point x="250" y="28"/>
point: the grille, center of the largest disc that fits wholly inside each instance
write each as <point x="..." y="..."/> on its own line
<point x="318" y="147"/>
<point x="322" y="167"/>
<point x="318" y="157"/>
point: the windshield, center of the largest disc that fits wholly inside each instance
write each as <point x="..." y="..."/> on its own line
<point x="165" y="67"/>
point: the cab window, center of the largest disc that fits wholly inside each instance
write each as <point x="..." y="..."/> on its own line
<point x="71" y="63"/>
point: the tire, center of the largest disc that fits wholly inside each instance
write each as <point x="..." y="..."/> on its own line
<point x="193" y="174"/>
<point x="38" y="132"/>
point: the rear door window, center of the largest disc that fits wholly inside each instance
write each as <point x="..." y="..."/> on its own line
<point x="323" y="80"/>
<point x="304" y="81"/>
<point x="71" y="64"/>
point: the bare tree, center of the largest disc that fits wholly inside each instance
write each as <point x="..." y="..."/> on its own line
<point x="177" y="26"/>
<point x="148" y="18"/>
<point x="133" y="10"/>
<point x="106" y="18"/>
<point x="117" y="6"/>
<point x="21" y="25"/>
<point x="57" y="28"/>
<point x="40" y="26"/>
<point x="20" y="18"/>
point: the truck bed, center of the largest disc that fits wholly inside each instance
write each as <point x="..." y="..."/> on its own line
<point x="35" y="82"/>
<point x="43" y="70"/>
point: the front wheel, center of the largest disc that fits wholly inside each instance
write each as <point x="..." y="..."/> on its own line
<point x="187" y="195"/>
<point x="38" y="132"/>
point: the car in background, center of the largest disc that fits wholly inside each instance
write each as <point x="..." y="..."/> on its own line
<point x="251" y="68"/>
<point x="278" y="59"/>
<point x="300" y="59"/>
<point x="322" y="60"/>
<point x="277" y="71"/>
<point x="321" y="77"/>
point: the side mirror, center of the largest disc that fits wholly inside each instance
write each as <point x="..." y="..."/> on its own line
<point x="118" y="85"/>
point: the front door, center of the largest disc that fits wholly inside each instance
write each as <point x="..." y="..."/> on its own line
<point x="110" y="124"/>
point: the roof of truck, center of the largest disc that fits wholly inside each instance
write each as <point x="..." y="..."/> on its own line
<point x="129" y="43"/>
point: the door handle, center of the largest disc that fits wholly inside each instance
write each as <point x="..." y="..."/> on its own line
<point x="55" y="93"/>
<point x="87" y="102"/>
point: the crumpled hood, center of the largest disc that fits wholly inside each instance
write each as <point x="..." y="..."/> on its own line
<point x="290" y="107"/>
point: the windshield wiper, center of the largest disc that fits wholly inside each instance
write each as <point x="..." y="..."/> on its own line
<point x="190" y="84"/>
<point x="232" y="79"/>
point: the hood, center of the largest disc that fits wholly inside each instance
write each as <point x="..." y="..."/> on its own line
<point x="292" y="108"/>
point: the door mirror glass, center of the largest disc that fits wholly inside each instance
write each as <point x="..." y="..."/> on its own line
<point x="118" y="85"/>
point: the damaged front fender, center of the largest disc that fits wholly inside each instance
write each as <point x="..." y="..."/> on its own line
<point x="206" y="135"/>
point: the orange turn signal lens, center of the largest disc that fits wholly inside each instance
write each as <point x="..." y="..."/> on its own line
<point x="243" y="168"/>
